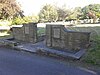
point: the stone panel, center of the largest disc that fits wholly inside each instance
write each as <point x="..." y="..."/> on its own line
<point x="56" y="33"/>
<point x="26" y="30"/>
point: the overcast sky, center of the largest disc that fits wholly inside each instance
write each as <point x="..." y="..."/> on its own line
<point x="34" y="6"/>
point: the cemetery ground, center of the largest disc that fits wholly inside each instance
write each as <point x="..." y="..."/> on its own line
<point x="90" y="60"/>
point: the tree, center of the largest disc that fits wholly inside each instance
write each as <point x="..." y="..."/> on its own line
<point x="8" y="8"/>
<point x="91" y="11"/>
<point x="48" y="13"/>
<point x="62" y="13"/>
<point x="74" y="14"/>
<point x="25" y="19"/>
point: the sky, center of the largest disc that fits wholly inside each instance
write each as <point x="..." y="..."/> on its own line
<point x="33" y="6"/>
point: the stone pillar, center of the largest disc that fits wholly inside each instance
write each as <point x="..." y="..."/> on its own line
<point x="30" y="31"/>
<point x="33" y="32"/>
<point x="48" y="35"/>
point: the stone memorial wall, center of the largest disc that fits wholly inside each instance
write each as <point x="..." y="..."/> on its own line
<point x="26" y="32"/>
<point x="57" y="36"/>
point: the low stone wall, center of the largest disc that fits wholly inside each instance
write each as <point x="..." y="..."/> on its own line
<point x="26" y="32"/>
<point x="58" y="37"/>
<point x="95" y="31"/>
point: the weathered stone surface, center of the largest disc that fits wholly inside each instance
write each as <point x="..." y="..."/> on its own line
<point x="56" y="33"/>
<point x="48" y="35"/>
<point x="26" y="29"/>
<point x="58" y="37"/>
<point x="27" y="33"/>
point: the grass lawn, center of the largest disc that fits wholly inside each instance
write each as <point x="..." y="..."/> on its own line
<point x="5" y="35"/>
<point x="41" y="31"/>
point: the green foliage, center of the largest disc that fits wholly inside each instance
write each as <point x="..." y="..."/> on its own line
<point x="40" y="31"/>
<point x="53" y="13"/>
<point x="48" y="13"/>
<point x="98" y="14"/>
<point x="75" y="14"/>
<point x="17" y="21"/>
<point x="26" y="19"/>
<point x="62" y="13"/>
<point x="32" y="18"/>
<point x="95" y="8"/>
<point x="8" y="8"/>
<point x="93" y="54"/>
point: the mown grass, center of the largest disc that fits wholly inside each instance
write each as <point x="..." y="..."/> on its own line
<point x="40" y="31"/>
<point x="5" y="34"/>
<point x="93" y="54"/>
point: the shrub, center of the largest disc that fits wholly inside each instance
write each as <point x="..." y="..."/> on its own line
<point x="17" y="21"/>
<point x="93" y="54"/>
<point x="25" y="19"/>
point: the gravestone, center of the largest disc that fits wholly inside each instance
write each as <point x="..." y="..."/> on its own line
<point x="58" y="37"/>
<point x="26" y="32"/>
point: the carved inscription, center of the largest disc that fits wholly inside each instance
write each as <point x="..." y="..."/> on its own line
<point x="56" y="33"/>
<point x="26" y="30"/>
